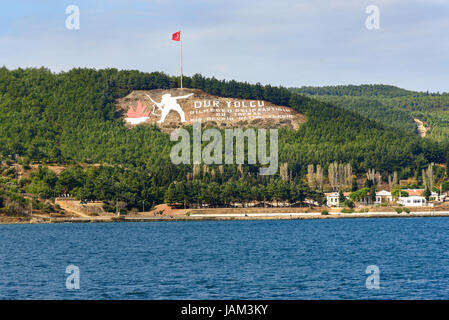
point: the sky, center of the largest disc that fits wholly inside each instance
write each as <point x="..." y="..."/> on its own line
<point x="291" y="43"/>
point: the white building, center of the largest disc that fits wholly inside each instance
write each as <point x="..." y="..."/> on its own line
<point x="412" y="201"/>
<point x="415" y="198"/>
<point x="437" y="197"/>
<point x="383" y="197"/>
<point x="333" y="198"/>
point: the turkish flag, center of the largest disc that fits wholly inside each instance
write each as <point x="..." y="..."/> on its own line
<point x="176" y="36"/>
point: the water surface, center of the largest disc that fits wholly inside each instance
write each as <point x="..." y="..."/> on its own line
<point x="271" y="259"/>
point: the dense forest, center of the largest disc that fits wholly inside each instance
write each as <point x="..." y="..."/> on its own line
<point x="69" y="118"/>
<point x="365" y="90"/>
<point x="390" y="106"/>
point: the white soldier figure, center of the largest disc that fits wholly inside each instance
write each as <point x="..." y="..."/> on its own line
<point x="169" y="103"/>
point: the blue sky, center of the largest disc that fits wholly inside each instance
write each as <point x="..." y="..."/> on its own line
<point x="283" y="42"/>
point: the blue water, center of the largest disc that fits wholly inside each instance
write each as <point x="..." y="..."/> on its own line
<point x="290" y="259"/>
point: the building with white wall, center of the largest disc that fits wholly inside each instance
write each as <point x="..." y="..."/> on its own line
<point x="415" y="198"/>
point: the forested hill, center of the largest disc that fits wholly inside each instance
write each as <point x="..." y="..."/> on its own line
<point x="366" y="90"/>
<point x="391" y="106"/>
<point x="70" y="117"/>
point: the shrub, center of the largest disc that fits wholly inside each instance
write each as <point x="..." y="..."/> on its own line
<point x="14" y="208"/>
<point x="398" y="210"/>
<point x="47" y="208"/>
<point x="348" y="203"/>
<point x="406" y="210"/>
<point x="445" y="186"/>
<point x="347" y="210"/>
<point x="324" y="212"/>
<point x="108" y="208"/>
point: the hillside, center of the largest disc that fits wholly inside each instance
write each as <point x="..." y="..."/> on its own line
<point x="365" y="90"/>
<point x="391" y="106"/>
<point x="72" y="118"/>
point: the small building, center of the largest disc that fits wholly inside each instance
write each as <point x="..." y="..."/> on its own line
<point x="365" y="201"/>
<point x="415" y="198"/>
<point x="437" y="197"/>
<point x="383" y="196"/>
<point x="333" y="198"/>
<point x="413" y="201"/>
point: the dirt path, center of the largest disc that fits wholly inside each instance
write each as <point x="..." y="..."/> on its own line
<point x="422" y="129"/>
<point x="64" y="205"/>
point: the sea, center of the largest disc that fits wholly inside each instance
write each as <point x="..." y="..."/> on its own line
<point x="379" y="258"/>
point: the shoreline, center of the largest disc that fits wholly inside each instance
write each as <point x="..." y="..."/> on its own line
<point x="224" y="217"/>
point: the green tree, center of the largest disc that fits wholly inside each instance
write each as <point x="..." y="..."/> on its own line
<point x="445" y="186"/>
<point x="373" y="193"/>
<point x="427" y="194"/>
<point x="354" y="186"/>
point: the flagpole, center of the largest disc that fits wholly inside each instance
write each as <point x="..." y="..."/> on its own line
<point x="181" y="57"/>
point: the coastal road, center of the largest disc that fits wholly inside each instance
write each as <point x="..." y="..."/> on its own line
<point x="240" y="216"/>
<point x="315" y="214"/>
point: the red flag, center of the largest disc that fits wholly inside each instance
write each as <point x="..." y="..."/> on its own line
<point x="176" y="36"/>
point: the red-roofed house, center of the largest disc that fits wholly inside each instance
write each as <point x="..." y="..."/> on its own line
<point x="415" y="198"/>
